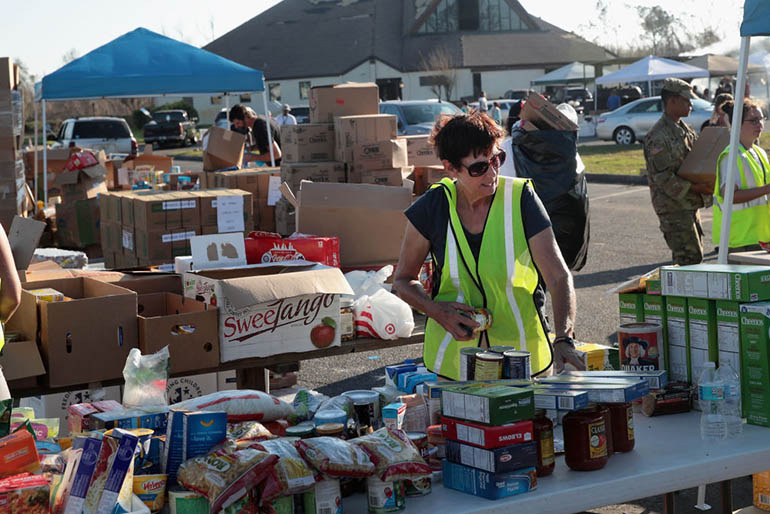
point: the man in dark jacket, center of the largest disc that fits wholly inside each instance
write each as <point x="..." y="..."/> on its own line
<point x="245" y="120"/>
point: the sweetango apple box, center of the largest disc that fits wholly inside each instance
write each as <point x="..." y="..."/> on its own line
<point x="270" y="309"/>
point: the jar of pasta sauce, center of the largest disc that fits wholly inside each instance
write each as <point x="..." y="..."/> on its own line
<point x="605" y="411"/>
<point x="585" y="439"/>
<point x="543" y="428"/>
<point x="622" y="426"/>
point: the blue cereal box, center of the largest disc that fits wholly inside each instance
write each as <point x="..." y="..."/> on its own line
<point x="549" y="398"/>
<point x="496" y="460"/>
<point x="172" y="450"/>
<point x="488" y="485"/>
<point x="77" y="496"/>
<point x="201" y="431"/>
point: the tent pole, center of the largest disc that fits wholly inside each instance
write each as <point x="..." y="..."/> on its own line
<point x="269" y="132"/>
<point x="34" y="146"/>
<point x="727" y="208"/>
<point x="45" y="159"/>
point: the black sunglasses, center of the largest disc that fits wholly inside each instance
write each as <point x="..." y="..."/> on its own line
<point x="477" y="169"/>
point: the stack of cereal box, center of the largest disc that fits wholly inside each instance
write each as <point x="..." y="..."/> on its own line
<point x="12" y="185"/>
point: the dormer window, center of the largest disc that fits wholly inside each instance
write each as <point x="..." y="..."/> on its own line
<point x="472" y="16"/>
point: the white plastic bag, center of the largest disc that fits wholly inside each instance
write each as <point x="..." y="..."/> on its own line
<point x="146" y="377"/>
<point x="378" y="312"/>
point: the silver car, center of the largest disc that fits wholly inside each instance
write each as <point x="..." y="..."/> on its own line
<point x="631" y="122"/>
<point x="417" y="116"/>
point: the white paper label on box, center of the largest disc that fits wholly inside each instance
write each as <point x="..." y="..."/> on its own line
<point x="176" y="205"/>
<point x="128" y="240"/>
<point x="273" y="191"/>
<point x="728" y="337"/>
<point x="699" y="334"/>
<point x="123" y="176"/>
<point x="676" y="332"/>
<point x="230" y="214"/>
<point x="178" y="236"/>
<point x="678" y="365"/>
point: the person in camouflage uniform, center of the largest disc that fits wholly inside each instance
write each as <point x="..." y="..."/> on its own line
<point x="676" y="200"/>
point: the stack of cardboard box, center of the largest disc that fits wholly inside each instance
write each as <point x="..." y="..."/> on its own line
<point x="263" y="185"/>
<point x="145" y="228"/>
<point x="77" y="216"/>
<point x="12" y="186"/>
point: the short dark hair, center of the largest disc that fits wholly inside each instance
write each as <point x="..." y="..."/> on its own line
<point x="456" y="136"/>
<point x="722" y="98"/>
<point x="238" y="112"/>
<point x="666" y="95"/>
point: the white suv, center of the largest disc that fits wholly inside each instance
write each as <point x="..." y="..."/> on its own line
<point x="113" y="135"/>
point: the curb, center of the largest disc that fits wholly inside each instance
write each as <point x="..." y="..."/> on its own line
<point x="607" y="178"/>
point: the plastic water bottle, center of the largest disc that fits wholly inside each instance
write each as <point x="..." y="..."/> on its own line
<point x="732" y="404"/>
<point x="712" y="398"/>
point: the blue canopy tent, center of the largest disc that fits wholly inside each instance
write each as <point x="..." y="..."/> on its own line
<point x="144" y="63"/>
<point x="756" y="22"/>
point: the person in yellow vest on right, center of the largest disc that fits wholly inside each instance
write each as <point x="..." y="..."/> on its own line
<point x="750" y="220"/>
<point x="10" y="297"/>
<point x="493" y="248"/>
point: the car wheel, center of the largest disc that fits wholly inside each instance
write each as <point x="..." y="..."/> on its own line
<point x="624" y="136"/>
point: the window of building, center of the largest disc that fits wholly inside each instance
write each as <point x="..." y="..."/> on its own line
<point x="275" y="91"/>
<point x="304" y="89"/>
<point x="472" y="15"/>
<point x="245" y="98"/>
<point x="216" y="100"/>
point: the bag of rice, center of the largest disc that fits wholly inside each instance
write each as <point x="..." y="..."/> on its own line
<point x="394" y="455"/>
<point x="335" y="457"/>
<point x="248" y="431"/>
<point x="291" y="474"/>
<point x="240" y="405"/>
<point x="226" y="473"/>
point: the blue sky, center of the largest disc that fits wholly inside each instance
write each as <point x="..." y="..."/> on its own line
<point x="40" y="32"/>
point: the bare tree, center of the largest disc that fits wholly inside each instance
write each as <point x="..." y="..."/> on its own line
<point x="440" y="61"/>
<point x="69" y="56"/>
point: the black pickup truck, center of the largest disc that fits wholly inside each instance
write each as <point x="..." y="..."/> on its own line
<point x="171" y="127"/>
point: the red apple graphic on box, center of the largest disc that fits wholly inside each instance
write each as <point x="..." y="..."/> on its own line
<point x="323" y="335"/>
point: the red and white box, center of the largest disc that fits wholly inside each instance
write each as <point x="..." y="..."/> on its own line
<point x="484" y="436"/>
<point x="266" y="247"/>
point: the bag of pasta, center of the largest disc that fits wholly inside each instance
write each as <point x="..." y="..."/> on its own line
<point x="225" y="473"/>
<point x="335" y="457"/>
<point x="248" y="431"/>
<point x="394" y="455"/>
<point x="291" y="474"/>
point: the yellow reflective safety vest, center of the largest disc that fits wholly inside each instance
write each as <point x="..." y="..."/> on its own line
<point x="502" y="281"/>
<point x="750" y="221"/>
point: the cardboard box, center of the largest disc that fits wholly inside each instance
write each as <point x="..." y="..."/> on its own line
<point x="420" y="151"/>
<point x="328" y="102"/>
<point x="156" y="211"/>
<point x="186" y="326"/>
<point x="307" y="142"/>
<point x="379" y="155"/>
<point x="631" y="306"/>
<point x="111" y="237"/>
<point x="157" y="162"/>
<point x="264" y="247"/>
<point x="150" y="282"/>
<point x="483" y="436"/>
<point x="7" y="73"/>
<point x="702" y="318"/>
<point x="598" y="357"/>
<point x="161" y="246"/>
<point x="82" y="184"/>
<point x="488" y="485"/>
<point x="110" y="206"/>
<point x="295" y="172"/>
<point x="268" y="310"/>
<point x="23" y="238"/>
<point x="368" y="219"/>
<point x="237" y="216"/>
<point x="657" y="379"/>
<point x="740" y="283"/>
<point x="498" y="460"/>
<point x="605" y="391"/>
<point x="55" y="405"/>
<point x="544" y="114"/>
<point x="678" y="339"/>
<point x="700" y="165"/>
<point x="189" y="387"/>
<point x="78" y="345"/>
<point x="78" y="223"/>
<point x="56" y="159"/>
<point x="285" y="218"/>
<point x="729" y="334"/>
<point x="263" y="184"/>
<point x="386" y="177"/>
<point x="224" y="149"/>
<point x="554" y="399"/>
<point x="495" y="405"/>
<point x="22" y="365"/>
<point x="350" y="131"/>
<point x="755" y="354"/>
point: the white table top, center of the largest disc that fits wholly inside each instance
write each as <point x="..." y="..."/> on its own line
<point x="669" y="456"/>
<point x="758" y="257"/>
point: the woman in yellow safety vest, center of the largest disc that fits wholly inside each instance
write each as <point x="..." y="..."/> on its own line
<point x="750" y="220"/>
<point x="490" y="240"/>
<point x="10" y="296"/>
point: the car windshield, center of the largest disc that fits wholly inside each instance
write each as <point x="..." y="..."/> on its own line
<point x="427" y="112"/>
<point x="701" y="105"/>
<point x="162" y="116"/>
<point x="100" y="129"/>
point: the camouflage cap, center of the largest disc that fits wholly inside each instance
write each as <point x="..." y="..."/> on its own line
<point x="679" y="87"/>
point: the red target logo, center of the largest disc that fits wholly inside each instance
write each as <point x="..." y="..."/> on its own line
<point x="390" y="329"/>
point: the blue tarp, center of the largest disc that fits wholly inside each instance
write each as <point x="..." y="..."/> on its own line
<point x="143" y="63"/>
<point x="756" y="18"/>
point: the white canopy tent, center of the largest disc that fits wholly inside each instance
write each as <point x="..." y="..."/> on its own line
<point x="572" y="73"/>
<point x="649" y="69"/>
<point x="756" y="22"/>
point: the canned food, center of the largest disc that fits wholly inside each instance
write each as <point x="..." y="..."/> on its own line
<point x="468" y="362"/>
<point x="489" y="366"/>
<point x="366" y="404"/>
<point x="331" y="430"/>
<point x="384" y="496"/>
<point x="516" y="364"/>
<point x="501" y="348"/>
<point x="418" y="486"/>
<point x="324" y="498"/>
<point x="303" y="430"/>
<point x="481" y="316"/>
